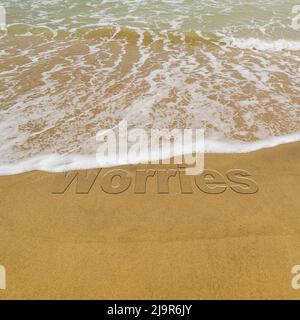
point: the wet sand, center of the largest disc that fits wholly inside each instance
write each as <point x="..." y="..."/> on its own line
<point x="156" y="245"/>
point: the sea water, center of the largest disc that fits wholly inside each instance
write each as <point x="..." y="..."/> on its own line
<point x="71" y="68"/>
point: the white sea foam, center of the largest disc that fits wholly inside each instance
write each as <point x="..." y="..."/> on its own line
<point x="263" y="45"/>
<point x="68" y="71"/>
<point x="70" y="162"/>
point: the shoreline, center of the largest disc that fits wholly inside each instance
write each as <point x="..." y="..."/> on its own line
<point x="43" y="160"/>
<point x="152" y="245"/>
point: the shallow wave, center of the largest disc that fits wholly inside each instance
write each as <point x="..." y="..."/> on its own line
<point x="67" y="71"/>
<point x="264" y="45"/>
<point x="148" y="36"/>
<point x="56" y="95"/>
<point x="63" y="163"/>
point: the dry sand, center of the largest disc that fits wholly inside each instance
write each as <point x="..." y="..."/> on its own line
<point x="155" y="246"/>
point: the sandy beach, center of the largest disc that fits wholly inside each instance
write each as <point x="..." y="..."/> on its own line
<point x="97" y="245"/>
